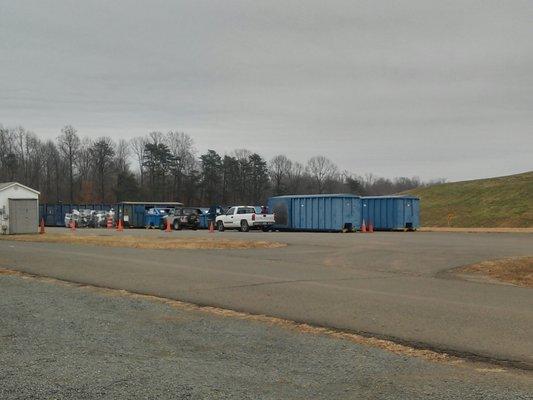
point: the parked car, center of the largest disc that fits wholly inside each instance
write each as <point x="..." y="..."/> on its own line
<point x="182" y="217"/>
<point x="244" y="218"/>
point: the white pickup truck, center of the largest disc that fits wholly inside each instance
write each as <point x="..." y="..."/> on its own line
<point x="244" y="218"/>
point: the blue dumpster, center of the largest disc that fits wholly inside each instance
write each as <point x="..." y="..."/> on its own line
<point x="133" y="212"/>
<point x="153" y="217"/>
<point x="389" y="213"/>
<point x="203" y="218"/>
<point x="320" y="212"/>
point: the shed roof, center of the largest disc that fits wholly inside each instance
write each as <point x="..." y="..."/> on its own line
<point x="6" y="185"/>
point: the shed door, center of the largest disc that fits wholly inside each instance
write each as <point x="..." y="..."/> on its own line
<point x="23" y="215"/>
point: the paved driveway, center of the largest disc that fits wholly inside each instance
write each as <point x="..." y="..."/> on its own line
<point x="389" y="285"/>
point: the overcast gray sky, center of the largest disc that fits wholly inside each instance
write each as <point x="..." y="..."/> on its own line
<point x="425" y="88"/>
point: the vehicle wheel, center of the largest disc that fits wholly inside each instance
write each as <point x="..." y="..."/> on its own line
<point x="244" y="226"/>
<point x="176" y="225"/>
<point x="265" y="228"/>
<point x="220" y="226"/>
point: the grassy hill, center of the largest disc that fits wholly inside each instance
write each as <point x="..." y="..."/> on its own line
<point x="505" y="201"/>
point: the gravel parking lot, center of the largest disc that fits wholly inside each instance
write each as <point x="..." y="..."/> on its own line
<point x="62" y="341"/>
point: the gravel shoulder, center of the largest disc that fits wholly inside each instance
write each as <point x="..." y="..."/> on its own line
<point x="67" y="341"/>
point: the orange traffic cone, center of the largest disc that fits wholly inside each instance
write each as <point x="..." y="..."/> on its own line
<point x="120" y="228"/>
<point x="370" y="227"/>
<point x="363" y="227"/>
<point x="41" y="226"/>
<point x="167" y="229"/>
<point x="211" y="227"/>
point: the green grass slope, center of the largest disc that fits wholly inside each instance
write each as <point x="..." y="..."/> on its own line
<point x="505" y="201"/>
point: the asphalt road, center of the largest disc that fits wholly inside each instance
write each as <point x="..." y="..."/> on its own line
<point x="391" y="285"/>
<point x="66" y="342"/>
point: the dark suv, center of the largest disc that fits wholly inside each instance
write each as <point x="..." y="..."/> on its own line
<point x="183" y="217"/>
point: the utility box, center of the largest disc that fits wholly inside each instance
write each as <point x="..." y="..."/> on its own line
<point x="319" y="212"/>
<point x="391" y="213"/>
<point x="19" y="209"/>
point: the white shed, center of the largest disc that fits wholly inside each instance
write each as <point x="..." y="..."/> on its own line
<point x="19" y="209"/>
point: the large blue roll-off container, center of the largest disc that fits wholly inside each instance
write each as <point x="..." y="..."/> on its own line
<point x="321" y="212"/>
<point x="389" y="213"/>
<point x="54" y="214"/>
<point x="131" y="212"/>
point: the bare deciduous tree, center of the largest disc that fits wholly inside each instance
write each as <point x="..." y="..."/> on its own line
<point x="181" y="147"/>
<point x="169" y="169"/>
<point x="102" y="153"/>
<point x="321" y="170"/>
<point x="280" y="168"/>
<point x="69" y="144"/>
<point x="138" y="145"/>
<point x="84" y="166"/>
<point x="296" y="177"/>
<point x="122" y="155"/>
<point x="156" y="137"/>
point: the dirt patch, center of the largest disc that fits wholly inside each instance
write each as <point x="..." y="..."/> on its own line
<point x="8" y="272"/>
<point x="145" y="242"/>
<point x="475" y="230"/>
<point x="516" y="271"/>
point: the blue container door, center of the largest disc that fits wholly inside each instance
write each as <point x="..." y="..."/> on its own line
<point x="324" y="207"/>
<point x="57" y="215"/>
<point x="347" y="213"/>
<point x="356" y="213"/>
<point x="364" y="211"/>
<point x="307" y="214"/>
<point x="139" y="211"/>
<point x="49" y="215"/>
<point x="410" y="214"/>
<point x="408" y="211"/>
<point x="297" y="207"/>
<point x="416" y="213"/>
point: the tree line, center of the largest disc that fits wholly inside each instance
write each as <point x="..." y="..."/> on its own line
<point x="167" y="167"/>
